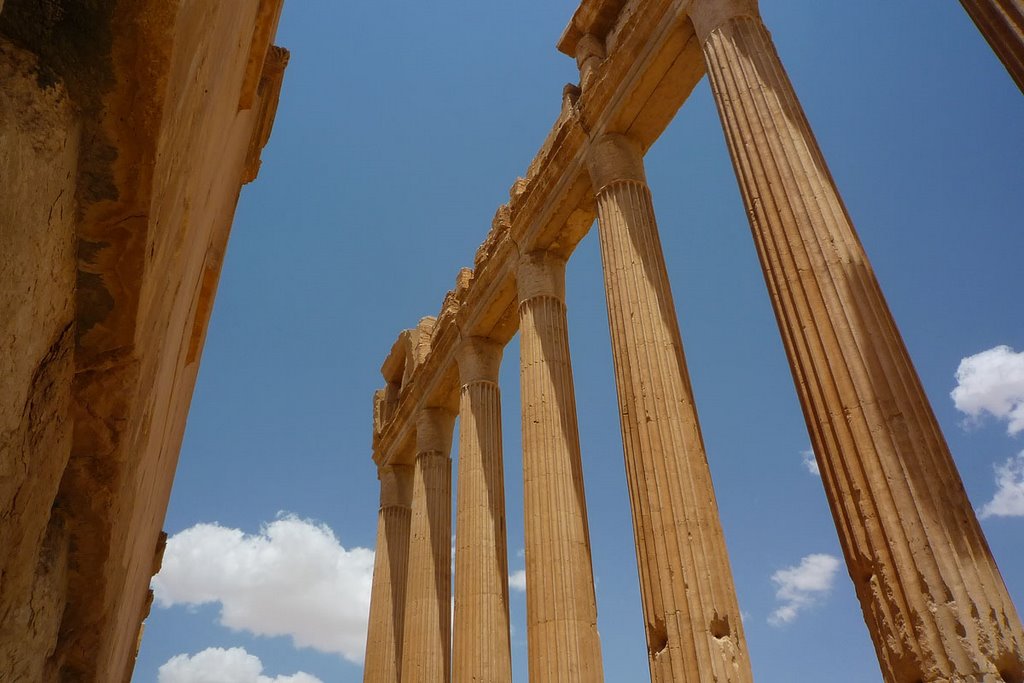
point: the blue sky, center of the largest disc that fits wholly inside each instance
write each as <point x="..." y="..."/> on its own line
<point x="400" y="129"/>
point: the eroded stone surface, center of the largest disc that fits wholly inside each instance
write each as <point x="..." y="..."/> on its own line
<point x="639" y="60"/>
<point x="694" y="629"/>
<point x="934" y="602"/>
<point x="109" y="269"/>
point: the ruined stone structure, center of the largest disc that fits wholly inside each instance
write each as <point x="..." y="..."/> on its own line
<point x="932" y="597"/>
<point x="1002" y="24"/>
<point x="127" y="128"/>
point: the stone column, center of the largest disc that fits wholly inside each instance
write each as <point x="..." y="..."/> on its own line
<point x="426" y="649"/>
<point x="933" y="599"/>
<point x="387" y="599"/>
<point x="1002" y="24"/>
<point x="561" y="609"/>
<point x="480" y="647"/>
<point x="694" y="632"/>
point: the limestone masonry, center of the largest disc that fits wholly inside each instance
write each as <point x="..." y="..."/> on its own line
<point x="127" y="128"/>
<point x="933" y="600"/>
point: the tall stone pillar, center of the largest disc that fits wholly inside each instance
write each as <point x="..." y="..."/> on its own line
<point x="480" y="646"/>
<point x="561" y="609"/>
<point x="382" y="663"/>
<point x="1002" y="24"/>
<point x="426" y="648"/>
<point x="694" y="632"/>
<point x="933" y="599"/>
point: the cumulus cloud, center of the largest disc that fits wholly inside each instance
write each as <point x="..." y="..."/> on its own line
<point x="992" y="382"/>
<point x="217" y="665"/>
<point x="810" y="463"/>
<point x="1008" y="500"/>
<point x="293" y="578"/>
<point x="517" y="580"/>
<point x="801" y="586"/>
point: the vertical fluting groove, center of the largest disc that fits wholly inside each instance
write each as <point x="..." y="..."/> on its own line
<point x="426" y="650"/>
<point x="1001" y="22"/>
<point x="932" y="597"/>
<point x="383" y="659"/>
<point x="561" y="607"/>
<point x="481" y="650"/>
<point x="694" y="631"/>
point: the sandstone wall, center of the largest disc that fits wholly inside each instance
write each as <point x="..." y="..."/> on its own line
<point x="38" y="169"/>
<point x="109" y="261"/>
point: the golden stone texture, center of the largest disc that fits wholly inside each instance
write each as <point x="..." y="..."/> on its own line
<point x="481" y="648"/>
<point x="694" y="630"/>
<point x="1002" y="24"/>
<point x="561" y="610"/>
<point x="426" y="649"/>
<point x="125" y="138"/>
<point x="390" y="564"/>
<point x="933" y="599"/>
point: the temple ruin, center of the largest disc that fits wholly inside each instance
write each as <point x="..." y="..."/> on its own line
<point x="127" y="129"/>
<point x="935" y="605"/>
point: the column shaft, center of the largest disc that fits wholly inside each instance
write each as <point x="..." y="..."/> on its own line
<point x="1002" y="24"/>
<point x="481" y="651"/>
<point x="561" y="609"/>
<point x="694" y="631"/>
<point x="933" y="599"/>
<point x="382" y="663"/>
<point x="426" y="650"/>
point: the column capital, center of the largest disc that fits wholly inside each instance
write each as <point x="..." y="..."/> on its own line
<point x="613" y="157"/>
<point x="479" y="359"/>
<point x="395" y="485"/>
<point x="541" y="273"/>
<point x="707" y="15"/>
<point x="434" y="428"/>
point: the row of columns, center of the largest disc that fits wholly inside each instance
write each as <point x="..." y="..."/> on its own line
<point x="932" y="597"/>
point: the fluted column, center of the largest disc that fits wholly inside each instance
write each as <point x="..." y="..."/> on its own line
<point x="694" y="632"/>
<point x="561" y="610"/>
<point x="1002" y="24"/>
<point x="481" y="651"/>
<point x="933" y="599"/>
<point x="382" y="663"/>
<point x="426" y="649"/>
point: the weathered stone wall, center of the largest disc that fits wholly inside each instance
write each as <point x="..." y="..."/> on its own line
<point x="38" y="169"/>
<point x="109" y="260"/>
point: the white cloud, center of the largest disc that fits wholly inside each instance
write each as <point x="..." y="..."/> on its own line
<point x="293" y="578"/>
<point x="992" y="382"/>
<point x="1008" y="500"/>
<point x="801" y="586"/>
<point x="810" y="462"/>
<point x="217" y="665"/>
<point x="517" y="580"/>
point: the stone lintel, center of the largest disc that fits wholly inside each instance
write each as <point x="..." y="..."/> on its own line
<point x="654" y="65"/>
<point x="394" y="365"/>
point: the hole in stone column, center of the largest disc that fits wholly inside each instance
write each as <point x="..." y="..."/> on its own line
<point x="1011" y="668"/>
<point x="657" y="637"/>
<point x="960" y="630"/>
<point x="720" y="626"/>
